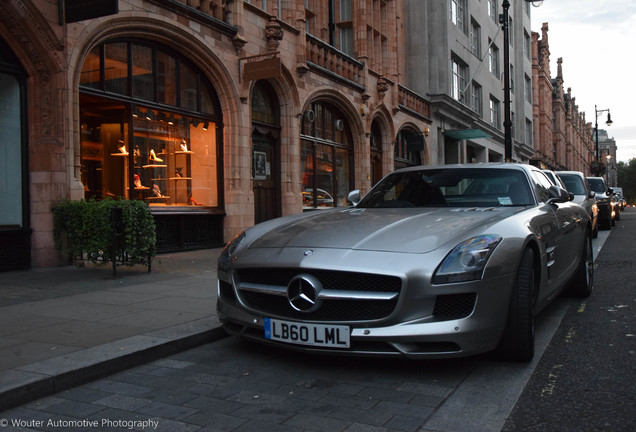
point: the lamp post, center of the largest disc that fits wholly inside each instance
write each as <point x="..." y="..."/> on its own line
<point x="609" y="122"/>
<point x="608" y="157"/>
<point x="503" y="20"/>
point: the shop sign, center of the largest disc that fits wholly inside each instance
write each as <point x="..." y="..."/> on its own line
<point x="79" y="10"/>
<point x="263" y="66"/>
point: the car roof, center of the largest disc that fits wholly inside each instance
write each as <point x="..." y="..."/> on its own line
<point x="574" y="173"/>
<point x="487" y="165"/>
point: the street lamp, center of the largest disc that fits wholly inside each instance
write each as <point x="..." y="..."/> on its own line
<point x="503" y="20"/>
<point x="609" y="122"/>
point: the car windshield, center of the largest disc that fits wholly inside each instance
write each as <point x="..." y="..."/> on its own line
<point x="573" y="183"/>
<point x="597" y="185"/>
<point x="454" y="187"/>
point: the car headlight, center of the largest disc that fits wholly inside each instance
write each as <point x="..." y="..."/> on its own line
<point x="467" y="260"/>
<point x="225" y="259"/>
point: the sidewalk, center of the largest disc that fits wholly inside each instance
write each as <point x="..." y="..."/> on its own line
<point x="60" y="327"/>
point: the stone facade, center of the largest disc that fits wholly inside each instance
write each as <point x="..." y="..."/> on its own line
<point x="367" y="85"/>
<point x="607" y="155"/>
<point x="456" y="58"/>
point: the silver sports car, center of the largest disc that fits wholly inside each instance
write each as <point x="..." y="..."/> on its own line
<point x="433" y="262"/>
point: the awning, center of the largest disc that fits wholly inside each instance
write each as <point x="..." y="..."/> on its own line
<point x="461" y="134"/>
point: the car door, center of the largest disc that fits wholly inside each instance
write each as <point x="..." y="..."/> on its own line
<point x="567" y="240"/>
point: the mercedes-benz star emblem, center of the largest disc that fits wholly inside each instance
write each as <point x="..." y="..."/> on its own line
<point x="303" y="293"/>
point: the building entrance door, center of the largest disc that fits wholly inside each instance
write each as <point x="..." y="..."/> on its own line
<point x="266" y="175"/>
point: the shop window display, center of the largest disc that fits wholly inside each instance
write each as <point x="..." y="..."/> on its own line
<point x="133" y="149"/>
<point x="170" y="160"/>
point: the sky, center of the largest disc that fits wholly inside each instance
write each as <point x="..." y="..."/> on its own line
<point x="597" y="41"/>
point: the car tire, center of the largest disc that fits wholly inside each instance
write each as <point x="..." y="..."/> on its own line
<point x="582" y="282"/>
<point x="517" y="342"/>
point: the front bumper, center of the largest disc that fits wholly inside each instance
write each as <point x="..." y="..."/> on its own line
<point x="414" y="329"/>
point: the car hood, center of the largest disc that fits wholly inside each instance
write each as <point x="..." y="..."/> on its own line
<point x="413" y="230"/>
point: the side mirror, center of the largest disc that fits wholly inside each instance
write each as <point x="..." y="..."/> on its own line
<point x="571" y="195"/>
<point x="592" y="194"/>
<point x="610" y="191"/>
<point x="558" y="195"/>
<point x="354" y="197"/>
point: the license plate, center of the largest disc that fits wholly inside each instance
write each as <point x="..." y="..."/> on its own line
<point x="334" y="336"/>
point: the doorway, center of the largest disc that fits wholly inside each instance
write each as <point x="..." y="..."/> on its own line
<point x="265" y="152"/>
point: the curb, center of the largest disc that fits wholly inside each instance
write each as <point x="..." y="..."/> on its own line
<point x="47" y="377"/>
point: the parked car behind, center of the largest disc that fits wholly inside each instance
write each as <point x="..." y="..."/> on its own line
<point x="620" y="199"/>
<point x="606" y="212"/>
<point x="554" y="179"/>
<point x="576" y="183"/>
<point x="434" y="262"/>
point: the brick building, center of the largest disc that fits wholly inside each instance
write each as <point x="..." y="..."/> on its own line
<point x="218" y="114"/>
<point x="563" y="139"/>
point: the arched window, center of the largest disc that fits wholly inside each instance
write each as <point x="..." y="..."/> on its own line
<point x="326" y="157"/>
<point x="408" y="148"/>
<point x="149" y="126"/>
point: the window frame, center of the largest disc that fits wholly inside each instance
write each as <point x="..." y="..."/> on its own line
<point x="475" y="38"/>
<point x="457" y="14"/>
<point x="495" y="112"/>
<point x="476" y="97"/>
<point x="459" y="74"/>
<point x="493" y="59"/>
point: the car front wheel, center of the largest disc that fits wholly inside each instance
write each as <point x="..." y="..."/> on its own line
<point x="582" y="282"/>
<point x="517" y="342"/>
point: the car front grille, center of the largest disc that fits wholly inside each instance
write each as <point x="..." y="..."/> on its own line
<point x="352" y="296"/>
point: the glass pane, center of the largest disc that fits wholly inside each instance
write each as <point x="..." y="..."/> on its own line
<point x="324" y="192"/>
<point x="208" y="98"/>
<point x="261" y="109"/>
<point x="10" y="153"/>
<point x="307" y="173"/>
<point x="116" y="67"/>
<point x="346" y="40"/>
<point x="346" y="11"/>
<point x="104" y="148"/>
<point x="343" y="174"/>
<point x="189" y="88"/>
<point x="143" y="84"/>
<point x="329" y="124"/>
<point x="203" y="165"/>
<point x="166" y="79"/>
<point x="319" y="124"/>
<point x="175" y="160"/>
<point x="90" y="69"/>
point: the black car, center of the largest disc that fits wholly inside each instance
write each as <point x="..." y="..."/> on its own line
<point x="604" y="201"/>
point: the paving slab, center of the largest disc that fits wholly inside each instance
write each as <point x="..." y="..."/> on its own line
<point x="65" y="326"/>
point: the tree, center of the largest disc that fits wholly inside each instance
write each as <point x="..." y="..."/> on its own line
<point x="597" y="168"/>
<point x="627" y="180"/>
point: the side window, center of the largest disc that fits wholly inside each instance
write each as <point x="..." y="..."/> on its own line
<point x="542" y="185"/>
